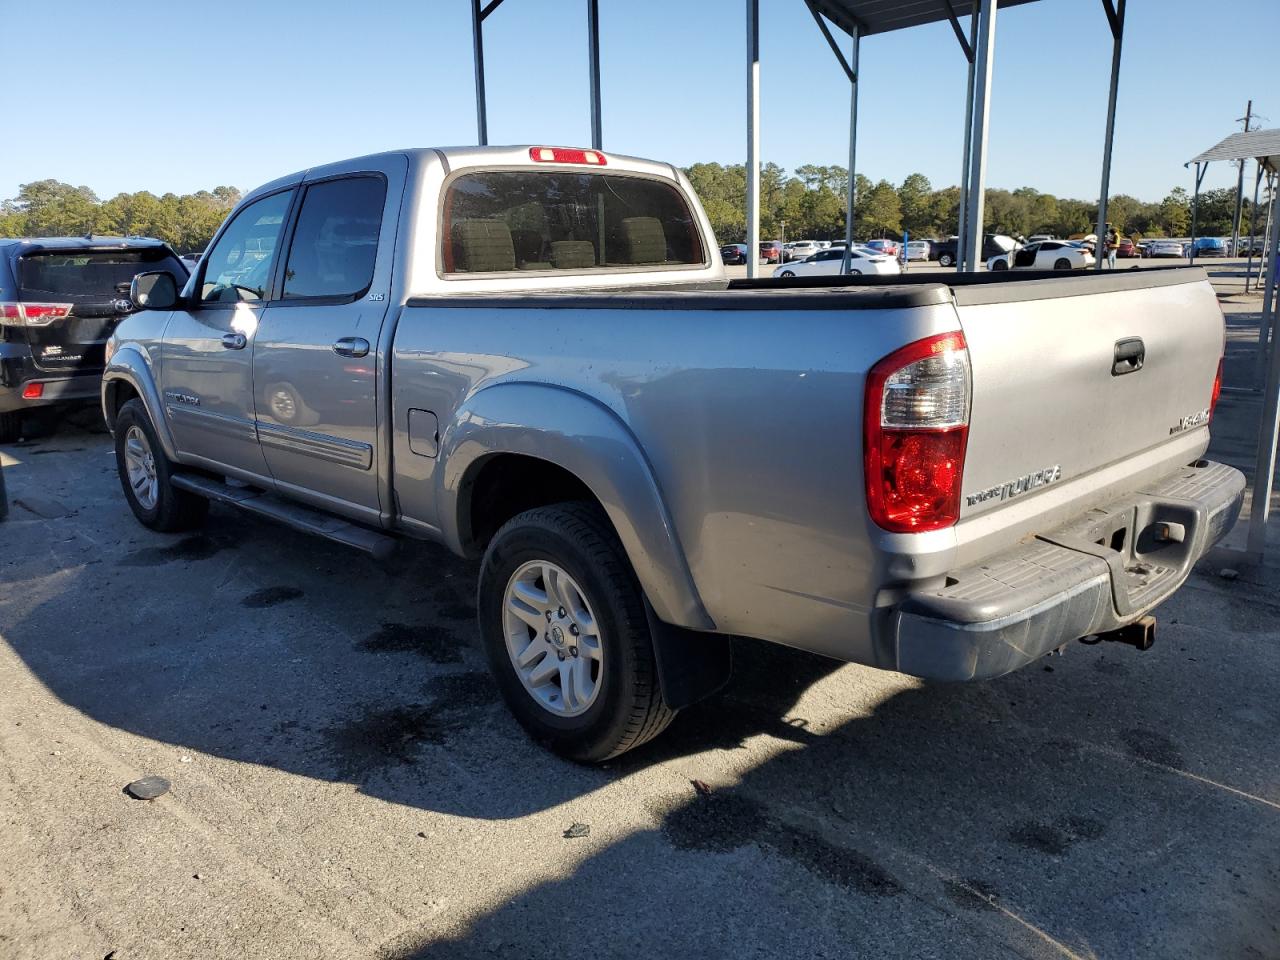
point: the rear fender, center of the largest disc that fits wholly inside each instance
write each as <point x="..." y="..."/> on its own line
<point x="589" y="440"/>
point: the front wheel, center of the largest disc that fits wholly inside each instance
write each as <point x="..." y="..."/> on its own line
<point x="1000" y="265"/>
<point x="1062" y="263"/>
<point x="146" y="475"/>
<point x="787" y="273"/>
<point x="563" y="623"/>
<point x="946" y="260"/>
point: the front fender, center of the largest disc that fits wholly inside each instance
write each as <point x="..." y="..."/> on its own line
<point x="578" y="433"/>
<point x="130" y="366"/>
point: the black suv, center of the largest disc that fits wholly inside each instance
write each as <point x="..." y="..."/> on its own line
<point x="60" y="299"/>
<point x="993" y="244"/>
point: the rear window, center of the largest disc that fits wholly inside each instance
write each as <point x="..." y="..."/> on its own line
<point x="81" y="275"/>
<point x="502" y="221"/>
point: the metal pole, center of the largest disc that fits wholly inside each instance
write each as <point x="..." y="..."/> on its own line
<point x="1253" y="223"/>
<point x="985" y="53"/>
<point x="593" y="33"/>
<point x="1116" y="19"/>
<point x="1269" y="428"/>
<point x="753" y="137"/>
<point x="1235" y="221"/>
<point x="477" y="40"/>
<point x="851" y="192"/>
<point x="968" y="141"/>
<point x="1266" y="266"/>
<point x="1195" y="207"/>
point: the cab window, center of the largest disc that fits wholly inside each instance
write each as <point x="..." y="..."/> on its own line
<point x="335" y="242"/>
<point x="238" y="268"/>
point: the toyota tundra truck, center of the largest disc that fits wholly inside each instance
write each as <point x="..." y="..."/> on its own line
<point x="533" y="356"/>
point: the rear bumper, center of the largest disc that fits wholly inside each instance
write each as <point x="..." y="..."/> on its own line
<point x="17" y="371"/>
<point x="1002" y="614"/>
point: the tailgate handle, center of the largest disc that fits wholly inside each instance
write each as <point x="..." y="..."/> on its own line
<point x="1129" y="356"/>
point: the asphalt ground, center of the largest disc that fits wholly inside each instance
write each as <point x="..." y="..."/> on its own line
<point x="346" y="784"/>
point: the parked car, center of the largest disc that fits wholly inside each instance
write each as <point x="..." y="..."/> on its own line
<point x="802" y="249"/>
<point x="888" y="247"/>
<point x="1127" y="249"/>
<point x="862" y="260"/>
<point x="1208" y="247"/>
<point x="993" y="244"/>
<point x="1040" y="237"/>
<point x="919" y="249"/>
<point x="435" y="346"/>
<point x="734" y="253"/>
<point x="1164" y="248"/>
<point x="771" y="251"/>
<point x="60" y="298"/>
<point x="1046" y="255"/>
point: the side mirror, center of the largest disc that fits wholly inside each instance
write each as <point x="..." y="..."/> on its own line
<point x="154" y="291"/>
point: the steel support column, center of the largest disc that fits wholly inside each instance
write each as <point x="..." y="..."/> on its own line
<point x="753" y="138"/>
<point x="1253" y="224"/>
<point x="593" y="39"/>
<point x="477" y="41"/>
<point x="1115" y="18"/>
<point x="968" y="130"/>
<point x="851" y="191"/>
<point x="1266" y="268"/>
<point x="1201" y="169"/>
<point x="1269" y="429"/>
<point x="981" y="100"/>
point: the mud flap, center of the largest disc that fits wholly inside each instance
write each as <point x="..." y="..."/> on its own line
<point x="691" y="665"/>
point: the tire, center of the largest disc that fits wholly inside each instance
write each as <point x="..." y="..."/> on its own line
<point x="787" y="273"/>
<point x="625" y="707"/>
<point x="160" y="506"/>
<point x="11" y="427"/>
<point x="946" y="260"/>
<point x="1062" y="263"/>
<point x="854" y="273"/>
<point x="1000" y="265"/>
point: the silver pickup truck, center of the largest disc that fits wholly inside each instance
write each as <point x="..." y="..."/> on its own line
<point x="533" y="356"/>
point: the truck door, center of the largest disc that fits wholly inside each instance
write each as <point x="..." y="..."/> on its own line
<point x="206" y="358"/>
<point x="316" y="360"/>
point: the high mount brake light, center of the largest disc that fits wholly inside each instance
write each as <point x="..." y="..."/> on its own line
<point x="33" y="314"/>
<point x="915" y="431"/>
<point x="591" y="158"/>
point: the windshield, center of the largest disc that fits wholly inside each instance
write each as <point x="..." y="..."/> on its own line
<point x="500" y="221"/>
<point x="84" y="275"/>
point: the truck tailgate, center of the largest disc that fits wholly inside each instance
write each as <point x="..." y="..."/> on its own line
<point x="1084" y="378"/>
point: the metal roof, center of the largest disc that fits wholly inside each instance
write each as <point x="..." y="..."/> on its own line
<point x="1260" y="145"/>
<point x="884" y="16"/>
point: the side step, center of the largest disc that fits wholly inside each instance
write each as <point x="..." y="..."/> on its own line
<point x="377" y="545"/>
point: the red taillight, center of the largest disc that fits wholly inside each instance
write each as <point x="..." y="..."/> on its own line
<point x="1217" y="390"/>
<point x="33" y="391"/>
<point x="593" y="158"/>
<point x="33" y="314"/>
<point x="916" y="428"/>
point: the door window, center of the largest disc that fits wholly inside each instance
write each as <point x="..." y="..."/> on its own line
<point x="336" y="241"/>
<point x="238" y="268"/>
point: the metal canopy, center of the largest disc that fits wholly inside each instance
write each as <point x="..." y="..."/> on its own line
<point x="884" y="16"/>
<point x="1260" y="145"/>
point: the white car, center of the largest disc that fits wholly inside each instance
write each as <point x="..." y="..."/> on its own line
<point x="1040" y="238"/>
<point x="1046" y="255"/>
<point x="802" y="249"/>
<point x="918" y="249"/>
<point x="1164" y="248"/>
<point x="826" y="262"/>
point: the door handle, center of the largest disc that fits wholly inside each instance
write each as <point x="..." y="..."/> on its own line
<point x="1129" y="356"/>
<point x="235" y="341"/>
<point x="351" y="347"/>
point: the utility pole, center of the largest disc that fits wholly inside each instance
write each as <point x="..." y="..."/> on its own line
<point x="1235" y="222"/>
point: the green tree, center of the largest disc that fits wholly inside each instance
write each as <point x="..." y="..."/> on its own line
<point x="881" y="214"/>
<point x="915" y="197"/>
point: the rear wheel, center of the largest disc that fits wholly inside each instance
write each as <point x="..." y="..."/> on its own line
<point x="563" y="623"/>
<point x="946" y="260"/>
<point x="854" y="273"/>
<point x="1000" y="265"/>
<point x="787" y="273"/>
<point x="146" y="475"/>
<point x="1062" y="263"/>
<point x="11" y="427"/>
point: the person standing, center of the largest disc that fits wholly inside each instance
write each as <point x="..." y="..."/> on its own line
<point x="1110" y="246"/>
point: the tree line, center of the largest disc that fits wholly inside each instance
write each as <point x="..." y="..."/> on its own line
<point x="808" y="204"/>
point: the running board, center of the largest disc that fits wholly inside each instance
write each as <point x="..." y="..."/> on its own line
<point x="377" y="545"/>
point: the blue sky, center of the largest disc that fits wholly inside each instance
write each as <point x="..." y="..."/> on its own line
<point x="242" y="94"/>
